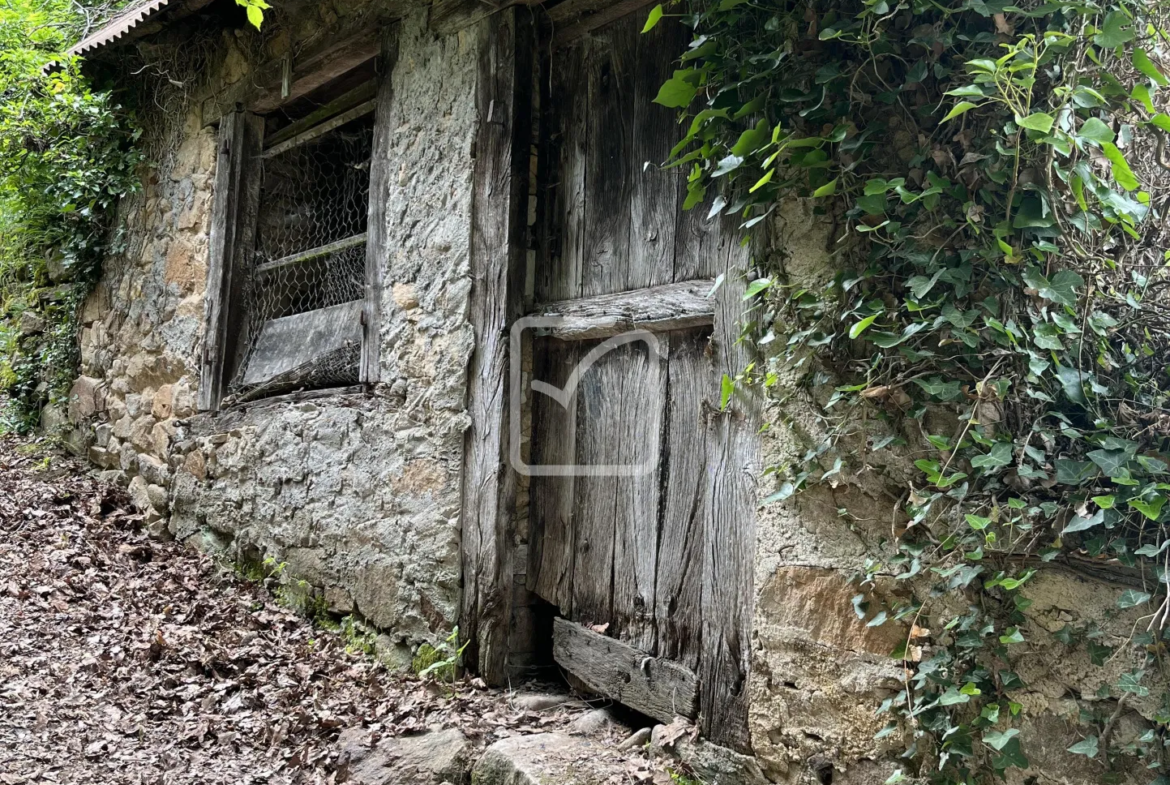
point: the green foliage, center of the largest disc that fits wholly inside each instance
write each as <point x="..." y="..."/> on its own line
<point x="998" y="179"/>
<point x="66" y="156"/>
<point x="441" y="661"/>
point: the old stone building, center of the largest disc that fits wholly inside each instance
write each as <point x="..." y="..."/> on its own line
<point x="305" y="353"/>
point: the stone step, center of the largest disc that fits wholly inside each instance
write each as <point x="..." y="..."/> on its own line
<point x="549" y="758"/>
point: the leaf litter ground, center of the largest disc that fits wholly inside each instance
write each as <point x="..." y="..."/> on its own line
<point x="126" y="659"/>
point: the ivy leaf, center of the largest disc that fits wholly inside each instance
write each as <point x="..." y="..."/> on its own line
<point x="727" y="165"/>
<point x="997" y="740"/>
<point x="1106" y="502"/>
<point x="1000" y="455"/>
<point x="1037" y="121"/>
<point x="1122" y="174"/>
<point x="1010" y="756"/>
<point x="757" y="286"/>
<point x="1110" y="461"/>
<point x="935" y="386"/>
<point x="953" y="697"/>
<point x="1131" y="682"/>
<point x="828" y="189"/>
<point x="726" y="388"/>
<point x="1115" y="32"/>
<point x="1012" y="635"/>
<point x="960" y="108"/>
<point x="1063" y="288"/>
<point x="1142" y="62"/>
<point x="1096" y="131"/>
<point x="654" y="18"/>
<point x="1131" y="598"/>
<point x="676" y="93"/>
<point x="1150" y="509"/>
<point x="861" y="326"/>
<point x="1069" y="472"/>
<point x="1088" y="747"/>
<point x="1080" y="523"/>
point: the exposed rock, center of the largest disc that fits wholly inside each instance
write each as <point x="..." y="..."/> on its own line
<point x="595" y="723"/>
<point x="161" y="406"/>
<point x="541" y="701"/>
<point x="636" y="739"/>
<point x="102" y="457"/>
<point x="30" y="323"/>
<point x="427" y="759"/>
<point x="86" y="398"/>
<point x="53" y="419"/>
<point x="709" y="763"/>
<point x="548" y="758"/>
<point x="155" y="471"/>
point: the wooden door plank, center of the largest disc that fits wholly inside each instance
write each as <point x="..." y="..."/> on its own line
<point x="554" y="432"/>
<point x="654" y="200"/>
<point x="376" y="229"/>
<point x="558" y="274"/>
<point x="498" y="263"/>
<point x="576" y="31"/>
<point x="674" y="306"/>
<point x="729" y="531"/>
<point x="599" y="418"/>
<point x="635" y="556"/>
<point x="655" y="687"/>
<point x="609" y="64"/>
<point x="678" y="593"/>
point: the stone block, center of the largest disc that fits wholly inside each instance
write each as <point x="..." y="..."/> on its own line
<point x="154" y="470"/>
<point x="142" y="433"/>
<point x="440" y="756"/>
<point x="546" y="758"/>
<point x="103" y="458"/>
<point x="161" y="406"/>
<point x="195" y="465"/>
<point x="709" y="762"/>
<point x="86" y="398"/>
<point x="102" y="434"/>
<point x="30" y="323"/>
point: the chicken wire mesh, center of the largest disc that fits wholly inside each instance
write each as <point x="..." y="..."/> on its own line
<point x="310" y="259"/>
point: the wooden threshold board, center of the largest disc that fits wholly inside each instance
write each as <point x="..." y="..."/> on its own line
<point x="658" y="688"/>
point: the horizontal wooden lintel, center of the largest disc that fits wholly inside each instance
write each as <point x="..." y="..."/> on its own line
<point x="673" y="306"/>
<point x="574" y="19"/>
<point x="658" y="688"/>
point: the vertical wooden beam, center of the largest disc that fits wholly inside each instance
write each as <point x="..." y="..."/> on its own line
<point x="498" y="265"/>
<point x="235" y="195"/>
<point x="376" y="225"/>
<point x="729" y="536"/>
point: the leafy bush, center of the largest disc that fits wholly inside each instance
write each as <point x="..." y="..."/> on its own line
<point x="997" y="177"/>
<point x="66" y="156"/>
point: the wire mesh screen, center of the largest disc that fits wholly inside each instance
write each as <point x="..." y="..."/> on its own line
<point x="304" y="285"/>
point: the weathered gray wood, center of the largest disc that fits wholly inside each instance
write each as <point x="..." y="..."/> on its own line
<point x="312" y="253"/>
<point x="577" y="31"/>
<point x="498" y="264"/>
<point x="235" y="194"/>
<point x="362" y="109"/>
<point x="639" y="443"/>
<point x="261" y="93"/>
<point x="729" y="530"/>
<point x="562" y="247"/>
<point x="654" y="204"/>
<point x="610" y="60"/>
<point x="678" y="591"/>
<point x="354" y="97"/>
<point x="451" y="16"/>
<point x="376" y="227"/>
<point x="554" y="432"/>
<point x="656" y="687"/>
<point x="659" y="309"/>
<point x="291" y="342"/>
<point x="599" y="417"/>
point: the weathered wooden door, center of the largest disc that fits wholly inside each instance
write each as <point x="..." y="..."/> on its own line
<point x="650" y="564"/>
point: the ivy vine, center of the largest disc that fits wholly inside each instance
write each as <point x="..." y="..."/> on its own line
<point x="997" y="177"/>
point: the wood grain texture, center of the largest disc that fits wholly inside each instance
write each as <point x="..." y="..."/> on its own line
<point x="654" y="200"/>
<point x="377" y="253"/>
<point x="599" y="424"/>
<point x="499" y="209"/>
<point x="656" y="687"/>
<point x="561" y="247"/>
<point x="554" y="432"/>
<point x="290" y="342"/>
<point x="639" y="443"/>
<point x="358" y="95"/>
<point x="658" y="309"/>
<point x="729" y="530"/>
<point x="609" y="63"/>
<point x="235" y="194"/>
<point x="678" y="593"/>
<point x="577" y="30"/>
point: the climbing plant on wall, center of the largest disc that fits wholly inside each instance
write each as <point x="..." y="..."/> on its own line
<point x="997" y="176"/>
<point x="66" y="156"/>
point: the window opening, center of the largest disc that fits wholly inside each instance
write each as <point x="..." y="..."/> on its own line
<point x="305" y="282"/>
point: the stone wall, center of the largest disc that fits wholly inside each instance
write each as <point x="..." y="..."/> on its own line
<point x="356" y="494"/>
<point x="818" y="672"/>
